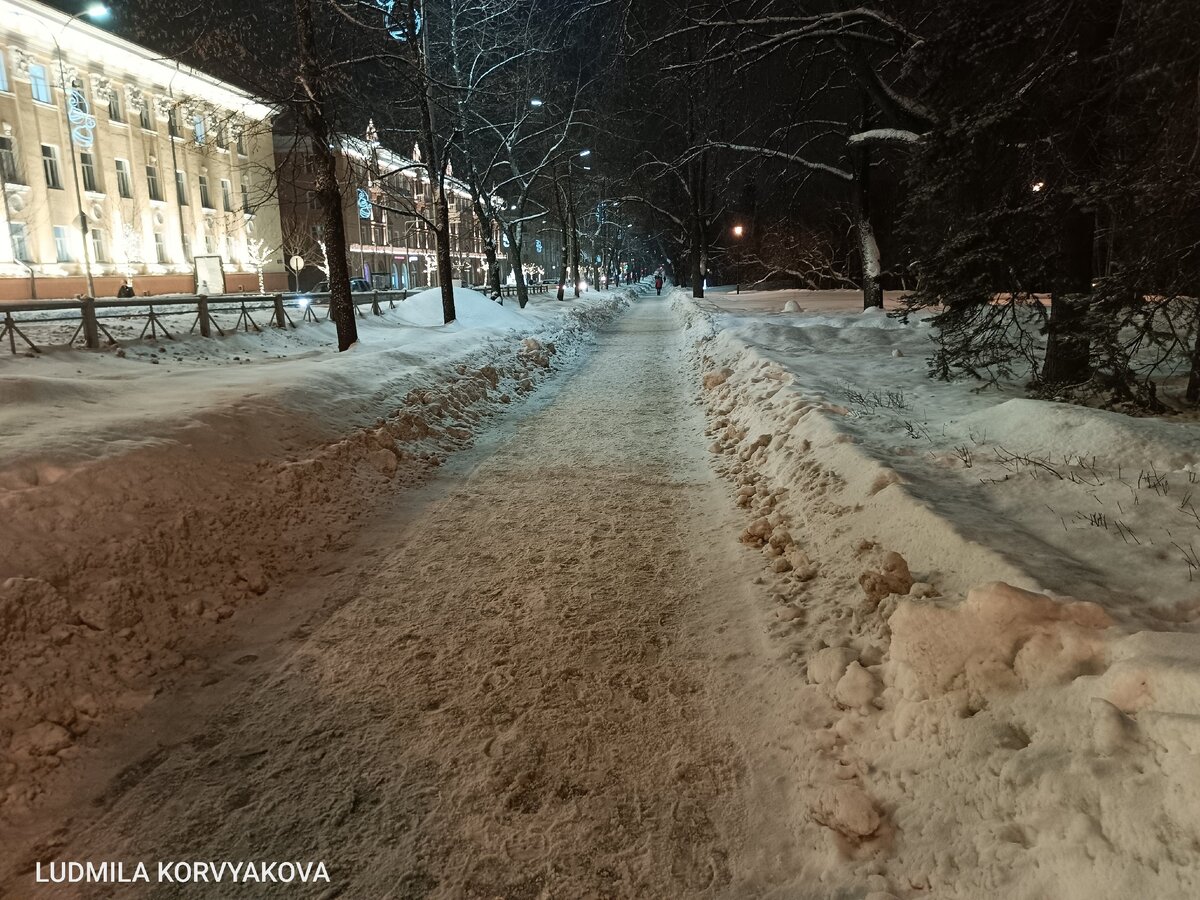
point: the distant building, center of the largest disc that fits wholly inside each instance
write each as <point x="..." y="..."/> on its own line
<point x="174" y="168"/>
<point x="384" y="196"/>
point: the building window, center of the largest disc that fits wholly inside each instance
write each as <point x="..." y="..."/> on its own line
<point x="114" y="107"/>
<point x="241" y="143"/>
<point x="8" y="162"/>
<point x="226" y="195"/>
<point x="209" y="246"/>
<point x="99" y="245"/>
<point x="144" y="117"/>
<point x="317" y="232"/>
<point x="187" y="248"/>
<point x="62" y="244"/>
<point x="222" y="136"/>
<point x="124" y="182"/>
<point x="160" y="248"/>
<point x="205" y="199"/>
<point x="181" y="187"/>
<point x="20" y="241"/>
<point x="173" y="122"/>
<point x="50" y="166"/>
<point x="198" y="128"/>
<point x="87" y="163"/>
<point x="245" y="194"/>
<point x="38" y="85"/>
<point x="3" y="73"/>
<point x="152" y="183"/>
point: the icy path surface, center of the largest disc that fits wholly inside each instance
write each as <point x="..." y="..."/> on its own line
<point x="527" y="695"/>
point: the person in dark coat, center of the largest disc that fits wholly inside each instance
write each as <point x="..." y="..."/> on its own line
<point x="125" y="290"/>
<point x="658" y="283"/>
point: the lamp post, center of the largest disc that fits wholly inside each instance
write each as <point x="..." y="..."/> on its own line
<point x="738" y="230"/>
<point x="74" y="101"/>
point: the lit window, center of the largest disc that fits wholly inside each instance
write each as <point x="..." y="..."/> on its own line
<point x="152" y="183"/>
<point x="198" y="127"/>
<point x="124" y="182"/>
<point x="50" y="166"/>
<point x="20" y="241"/>
<point x="99" y="245"/>
<point x="62" y="244"/>
<point x="38" y="84"/>
<point x="87" y="163"/>
<point x="8" y="162"/>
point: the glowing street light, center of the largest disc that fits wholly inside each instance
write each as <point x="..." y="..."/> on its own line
<point x="535" y="102"/>
<point x="97" y="11"/>
<point x="585" y="152"/>
<point x="738" y="231"/>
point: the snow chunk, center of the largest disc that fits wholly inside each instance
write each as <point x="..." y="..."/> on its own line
<point x="1000" y="637"/>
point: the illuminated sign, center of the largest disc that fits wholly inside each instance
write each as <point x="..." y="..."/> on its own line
<point x="364" y="204"/>
<point x="537" y="245"/>
<point x="395" y="23"/>
<point x="83" y="123"/>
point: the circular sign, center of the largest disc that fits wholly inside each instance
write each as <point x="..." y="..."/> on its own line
<point x="296" y="262"/>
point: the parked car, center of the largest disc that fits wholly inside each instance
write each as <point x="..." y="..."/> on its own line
<point x="357" y="286"/>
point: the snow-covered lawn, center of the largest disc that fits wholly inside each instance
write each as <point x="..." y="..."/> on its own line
<point x="149" y="491"/>
<point x="995" y="600"/>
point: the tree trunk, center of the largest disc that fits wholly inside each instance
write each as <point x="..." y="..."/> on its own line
<point x="1193" y="385"/>
<point x="562" y="266"/>
<point x="444" y="263"/>
<point x="514" y="252"/>
<point x="341" y="307"/>
<point x="1068" y="349"/>
<point x="868" y="246"/>
<point x="574" y="250"/>
<point x="696" y="268"/>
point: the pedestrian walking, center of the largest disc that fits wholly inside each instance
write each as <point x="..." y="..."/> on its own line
<point x="658" y="283"/>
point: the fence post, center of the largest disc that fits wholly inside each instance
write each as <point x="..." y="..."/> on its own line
<point x="202" y="308"/>
<point x="375" y="303"/>
<point x="91" y="328"/>
<point x="280" y="315"/>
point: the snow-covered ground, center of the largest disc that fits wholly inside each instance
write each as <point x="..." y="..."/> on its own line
<point x="149" y="491"/>
<point x="994" y="600"/>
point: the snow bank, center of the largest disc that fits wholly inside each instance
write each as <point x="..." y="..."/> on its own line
<point x="971" y="721"/>
<point x="136" y="532"/>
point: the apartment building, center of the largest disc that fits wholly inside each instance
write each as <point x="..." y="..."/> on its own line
<point x="385" y="196"/>
<point x="169" y="171"/>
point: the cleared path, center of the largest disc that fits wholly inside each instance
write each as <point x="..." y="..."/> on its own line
<point x="526" y="698"/>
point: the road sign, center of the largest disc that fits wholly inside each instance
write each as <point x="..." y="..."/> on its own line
<point x="296" y="262"/>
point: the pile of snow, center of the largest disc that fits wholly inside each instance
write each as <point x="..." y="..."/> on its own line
<point x="471" y="309"/>
<point x="982" y="713"/>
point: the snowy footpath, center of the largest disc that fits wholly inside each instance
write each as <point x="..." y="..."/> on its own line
<point x="521" y="691"/>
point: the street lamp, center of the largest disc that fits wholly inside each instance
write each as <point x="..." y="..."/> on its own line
<point x="78" y="116"/>
<point x="738" y="231"/>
